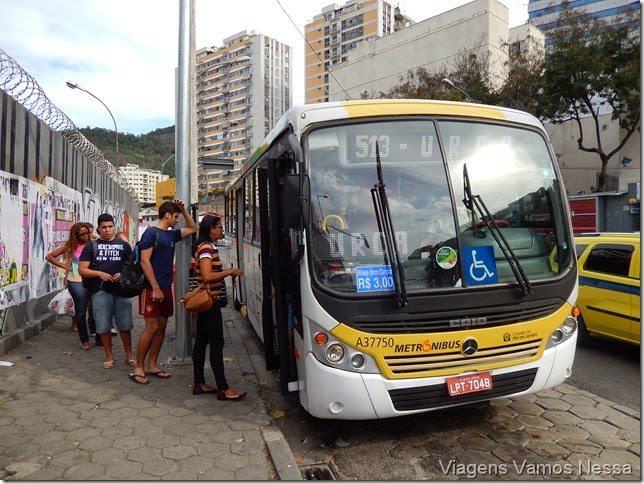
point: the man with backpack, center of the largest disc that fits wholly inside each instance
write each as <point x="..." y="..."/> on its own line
<point x="156" y="303"/>
<point x="100" y="264"/>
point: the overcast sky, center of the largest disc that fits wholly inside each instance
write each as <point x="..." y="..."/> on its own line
<point x="125" y="51"/>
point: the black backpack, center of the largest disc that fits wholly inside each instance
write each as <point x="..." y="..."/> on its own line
<point x="132" y="279"/>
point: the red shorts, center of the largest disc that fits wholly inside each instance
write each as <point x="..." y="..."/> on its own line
<point x="152" y="309"/>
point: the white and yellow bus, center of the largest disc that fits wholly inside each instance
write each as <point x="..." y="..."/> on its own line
<point x="424" y="248"/>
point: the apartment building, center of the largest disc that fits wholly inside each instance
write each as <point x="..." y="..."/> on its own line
<point x="243" y="87"/>
<point x="544" y="13"/>
<point x="339" y="29"/>
<point x="143" y="181"/>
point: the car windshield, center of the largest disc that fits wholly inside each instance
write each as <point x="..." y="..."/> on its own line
<point x="422" y="164"/>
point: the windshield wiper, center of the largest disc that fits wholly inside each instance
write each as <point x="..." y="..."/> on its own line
<point x="475" y="201"/>
<point x="386" y="228"/>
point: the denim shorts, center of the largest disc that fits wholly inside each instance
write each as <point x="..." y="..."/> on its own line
<point x="107" y="307"/>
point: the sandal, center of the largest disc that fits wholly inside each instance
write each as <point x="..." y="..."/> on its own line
<point x="108" y="365"/>
<point x="139" y="379"/>
<point x="221" y="395"/>
<point x="132" y="363"/>
<point x="85" y="346"/>
<point x="164" y="375"/>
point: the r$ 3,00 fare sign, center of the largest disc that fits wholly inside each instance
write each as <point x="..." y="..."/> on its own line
<point x="374" y="278"/>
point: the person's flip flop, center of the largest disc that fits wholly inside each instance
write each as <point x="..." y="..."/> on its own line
<point x="132" y="363"/>
<point x="108" y="365"/>
<point x="139" y="379"/>
<point x="164" y="375"/>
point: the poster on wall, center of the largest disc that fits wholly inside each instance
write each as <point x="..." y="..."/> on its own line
<point x="65" y="213"/>
<point x="52" y="213"/>
<point x="14" y="237"/>
<point x="34" y="220"/>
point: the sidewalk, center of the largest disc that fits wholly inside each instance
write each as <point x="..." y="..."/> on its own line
<point x="64" y="417"/>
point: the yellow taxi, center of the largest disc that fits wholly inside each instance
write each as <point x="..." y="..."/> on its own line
<point x="609" y="285"/>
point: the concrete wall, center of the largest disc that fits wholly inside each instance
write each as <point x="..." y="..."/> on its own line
<point x="34" y="155"/>
<point x="377" y="64"/>
<point x="579" y="168"/>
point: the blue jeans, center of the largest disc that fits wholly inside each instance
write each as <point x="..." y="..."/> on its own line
<point x="107" y="307"/>
<point x="81" y="297"/>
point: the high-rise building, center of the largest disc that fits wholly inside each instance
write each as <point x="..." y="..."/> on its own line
<point x="544" y="13"/>
<point x="143" y="181"/>
<point x="243" y="87"/>
<point x="337" y="30"/>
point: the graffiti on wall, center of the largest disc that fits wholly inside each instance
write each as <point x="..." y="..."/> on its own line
<point x="14" y="239"/>
<point x="34" y="220"/>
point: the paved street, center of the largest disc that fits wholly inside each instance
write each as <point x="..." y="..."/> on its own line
<point x="63" y="417"/>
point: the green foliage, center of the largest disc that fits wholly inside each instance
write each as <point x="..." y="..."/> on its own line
<point x="146" y="150"/>
<point x="593" y="66"/>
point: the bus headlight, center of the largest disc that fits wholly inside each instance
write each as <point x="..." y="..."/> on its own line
<point x="357" y="361"/>
<point x="569" y="326"/>
<point x="564" y="331"/>
<point x="335" y="353"/>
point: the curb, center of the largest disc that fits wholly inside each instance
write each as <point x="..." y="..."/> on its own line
<point x="279" y="451"/>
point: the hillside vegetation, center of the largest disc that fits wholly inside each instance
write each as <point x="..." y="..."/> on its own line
<point x="147" y="150"/>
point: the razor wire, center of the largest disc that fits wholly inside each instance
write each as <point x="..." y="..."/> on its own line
<point x="24" y="89"/>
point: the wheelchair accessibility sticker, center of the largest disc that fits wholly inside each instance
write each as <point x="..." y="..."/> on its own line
<point x="480" y="265"/>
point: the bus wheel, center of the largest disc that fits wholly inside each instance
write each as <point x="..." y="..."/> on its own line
<point x="583" y="335"/>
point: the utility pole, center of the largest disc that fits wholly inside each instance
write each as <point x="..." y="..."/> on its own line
<point x="182" y="349"/>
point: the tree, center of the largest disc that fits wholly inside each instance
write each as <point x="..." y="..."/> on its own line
<point x="592" y="66"/>
<point x="470" y="75"/>
<point x="522" y="76"/>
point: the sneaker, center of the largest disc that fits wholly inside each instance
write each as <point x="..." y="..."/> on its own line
<point x="93" y="335"/>
<point x="114" y="331"/>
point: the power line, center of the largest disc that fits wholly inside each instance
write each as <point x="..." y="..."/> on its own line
<point x="312" y="49"/>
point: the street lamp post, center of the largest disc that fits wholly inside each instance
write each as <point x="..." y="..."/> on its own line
<point x="163" y="164"/>
<point x="73" y="85"/>
<point x="451" y="83"/>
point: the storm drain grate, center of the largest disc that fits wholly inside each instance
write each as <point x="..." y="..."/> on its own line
<point x="318" y="472"/>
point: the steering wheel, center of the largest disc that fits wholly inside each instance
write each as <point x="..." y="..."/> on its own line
<point x="500" y="223"/>
<point x="335" y="218"/>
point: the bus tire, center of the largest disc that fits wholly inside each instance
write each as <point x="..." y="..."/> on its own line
<point x="583" y="335"/>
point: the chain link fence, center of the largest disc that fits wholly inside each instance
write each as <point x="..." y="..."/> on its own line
<point x="23" y="88"/>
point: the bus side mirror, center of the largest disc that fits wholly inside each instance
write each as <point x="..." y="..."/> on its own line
<point x="296" y="202"/>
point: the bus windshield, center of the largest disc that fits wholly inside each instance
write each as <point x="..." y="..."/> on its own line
<point x="441" y="241"/>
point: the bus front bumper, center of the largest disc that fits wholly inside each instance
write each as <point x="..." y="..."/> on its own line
<point x="337" y="394"/>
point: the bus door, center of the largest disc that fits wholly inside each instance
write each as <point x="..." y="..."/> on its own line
<point x="251" y="251"/>
<point x="277" y="272"/>
<point x="265" y="265"/>
<point x="237" y="199"/>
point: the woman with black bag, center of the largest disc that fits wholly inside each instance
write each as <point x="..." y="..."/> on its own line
<point x="210" y="326"/>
